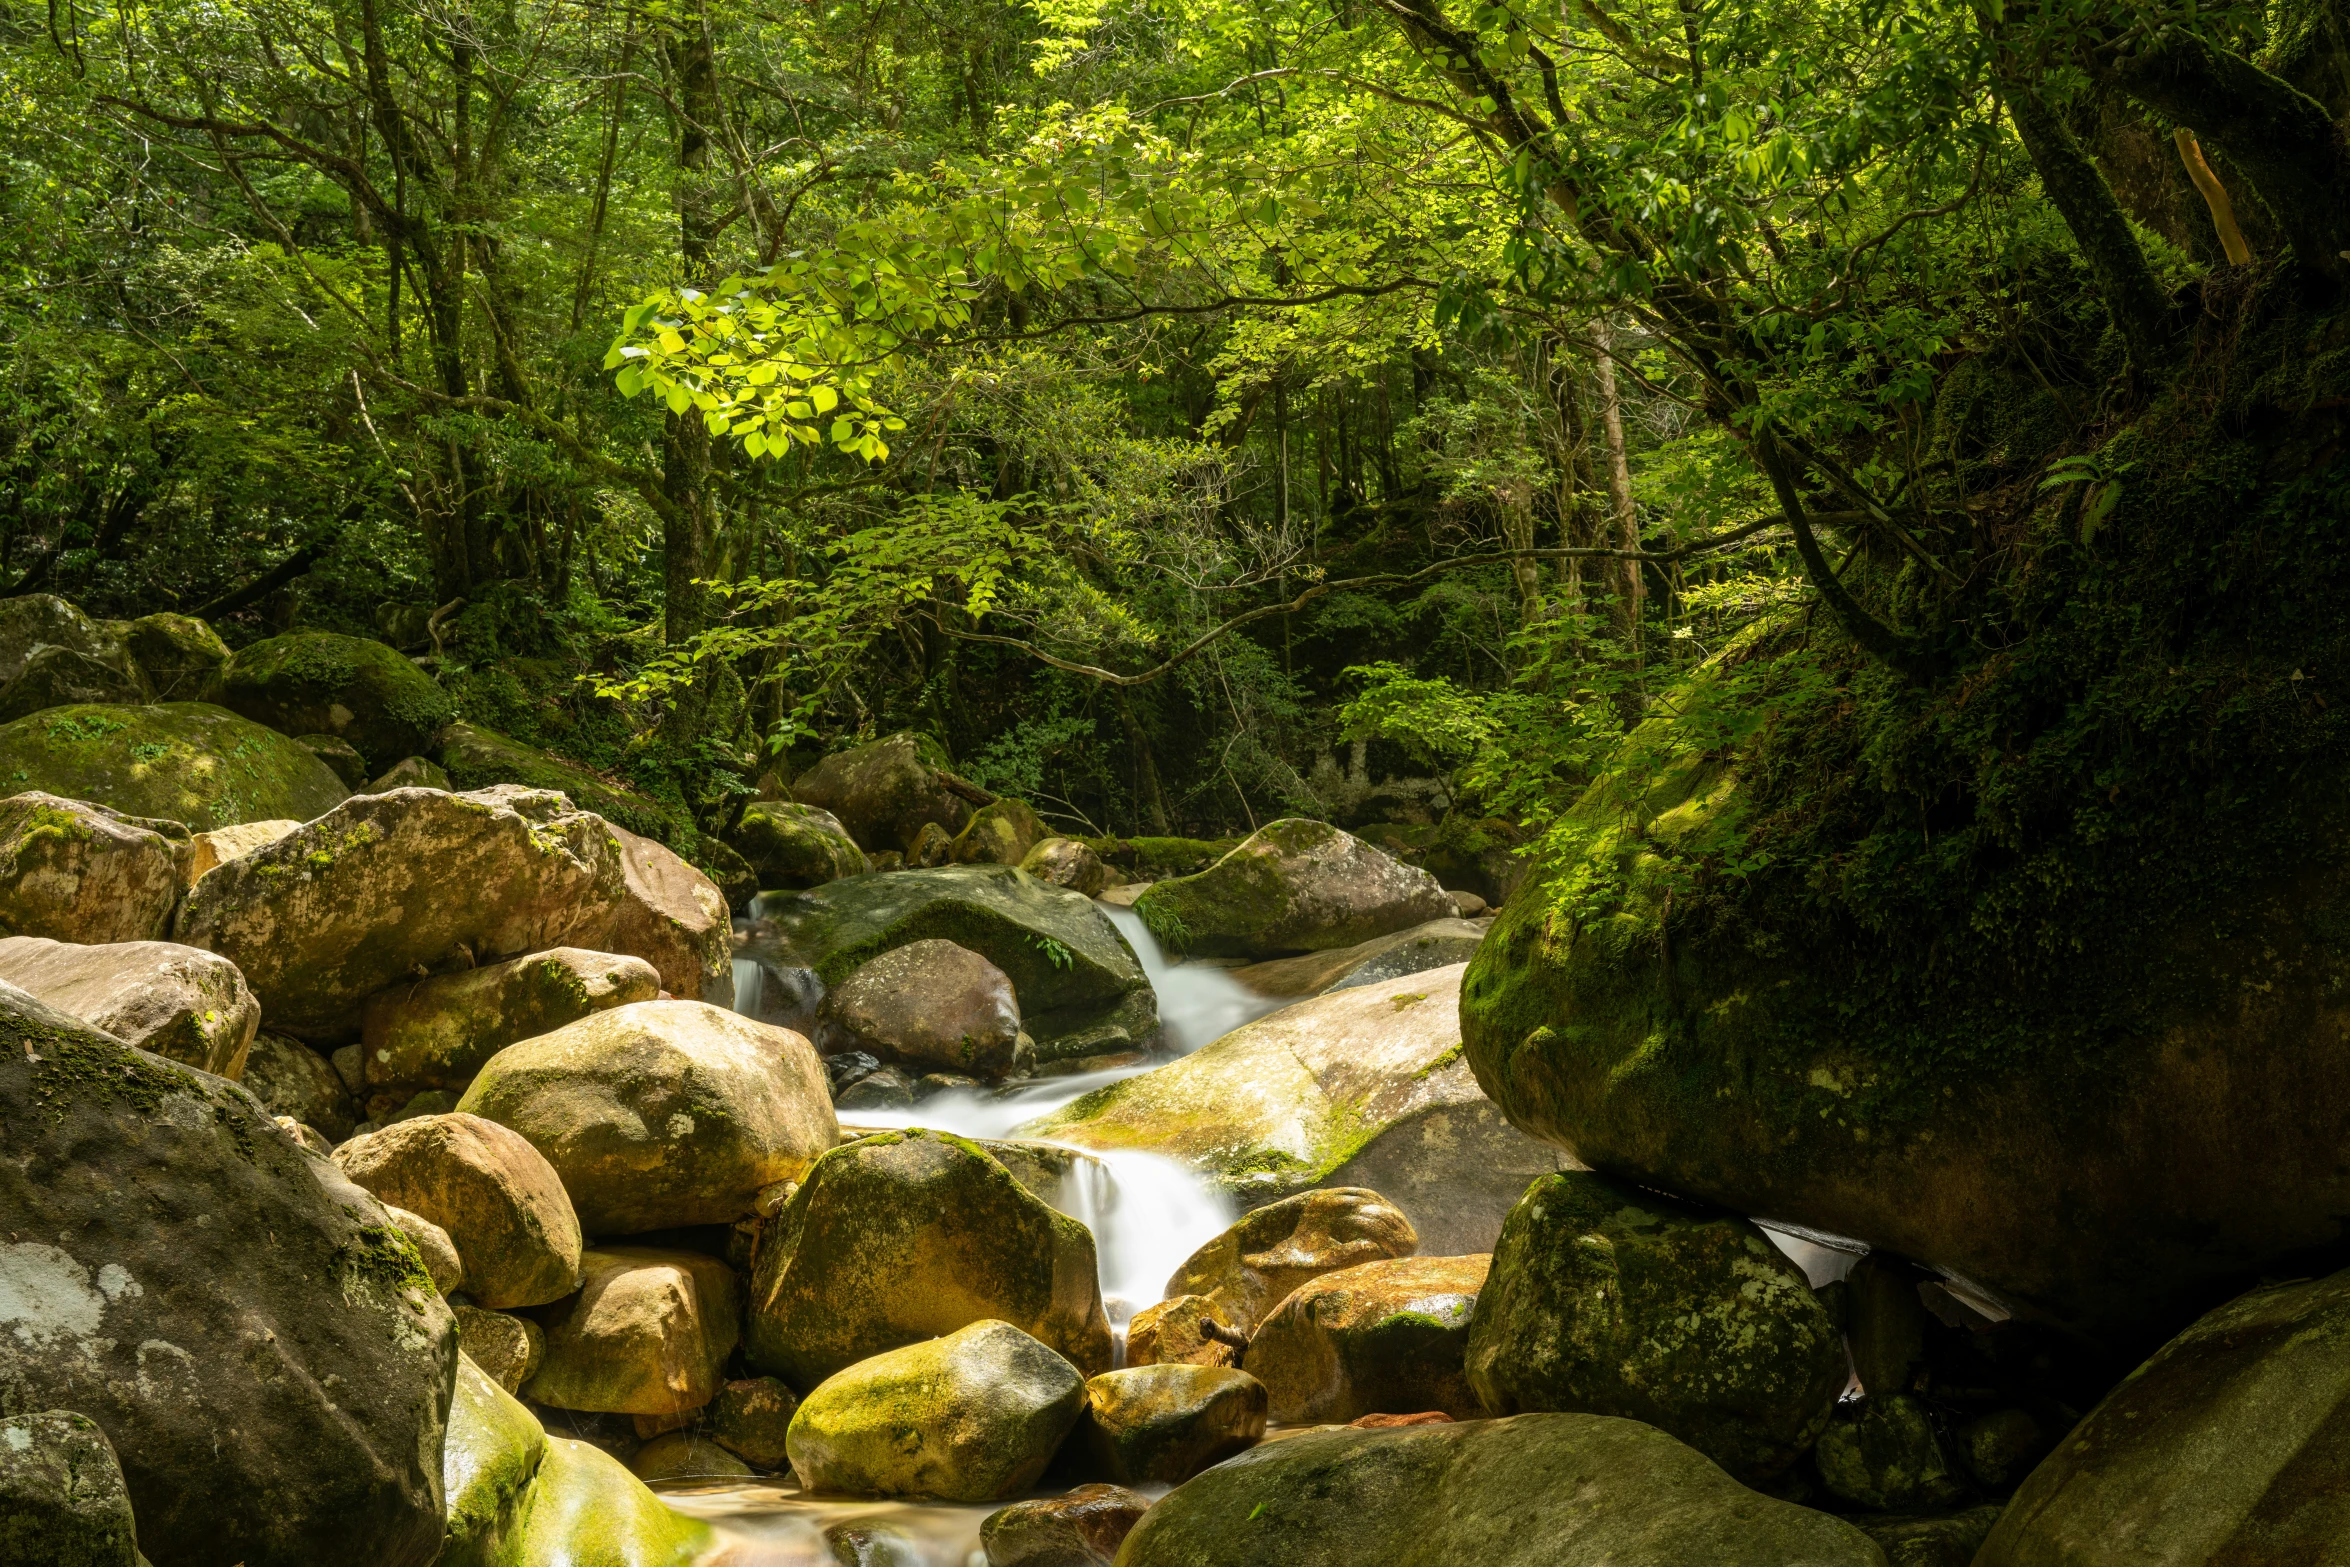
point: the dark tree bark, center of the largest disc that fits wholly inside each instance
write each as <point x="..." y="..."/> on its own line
<point x="2132" y="293"/>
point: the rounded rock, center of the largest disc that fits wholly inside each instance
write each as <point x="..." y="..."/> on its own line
<point x="502" y="1204"/>
<point x="1080" y="1528"/>
<point x="930" y="1005"/>
<point x="1381" y="1338"/>
<point x="1253" y="1266"/>
<point x="1160" y="1425"/>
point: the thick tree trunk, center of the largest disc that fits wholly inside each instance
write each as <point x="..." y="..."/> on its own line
<point x="2086" y="202"/>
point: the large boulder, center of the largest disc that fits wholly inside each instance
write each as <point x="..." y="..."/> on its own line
<point x="662" y="1113"/>
<point x="903" y="1236"/>
<point x="439" y="1032"/>
<point x="1292" y="886"/>
<point x="2226" y="1446"/>
<point x="175" y="761"/>
<point x="1437" y="944"/>
<point x="62" y="1499"/>
<point x="44" y="639"/>
<point x="647" y="1334"/>
<point x="181" y="656"/>
<point x="295" y="1081"/>
<point x="885" y="793"/>
<point x="1082" y="991"/>
<point x="932" y="1006"/>
<point x="586" y="1510"/>
<point x="491" y="1456"/>
<point x="357" y="689"/>
<point x="1381" y="1338"/>
<point x="181" y="1002"/>
<point x="473" y="757"/>
<point x="260" y="1344"/>
<point x="1250" y="1268"/>
<point x="971" y="1417"/>
<point x="1160" y="1425"/>
<point x="1894" y="1031"/>
<point x="502" y="1204"/>
<point x="1535" y="1491"/>
<point x="998" y="834"/>
<point x="789" y="845"/>
<point x="1365" y="1087"/>
<point x="1611" y="1301"/>
<point x="60" y="677"/>
<point x="75" y="872"/>
<point x="675" y="918"/>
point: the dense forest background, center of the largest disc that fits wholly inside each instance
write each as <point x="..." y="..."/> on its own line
<point x="1187" y="412"/>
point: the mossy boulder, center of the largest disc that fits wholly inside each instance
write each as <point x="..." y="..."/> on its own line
<point x="182" y="656"/>
<point x="1535" y="1491"/>
<point x="180" y="1002"/>
<point x="341" y="758"/>
<point x="357" y="689"/>
<point x="1160" y="1425"/>
<point x="586" y="1510"/>
<point x="647" y="1334"/>
<point x="439" y="1032"/>
<point x="904" y="1236"/>
<point x="176" y="761"/>
<point x="1363" y="1087"/>
<point x="2226" y="1446"/>
<point x="1080" y="987"/>
<point x="60" y="677"/>
<point x="476" y="757"/>
<point x="62" y="1500"/>
<point x="789" y="845"/>
<point x="495" y="1195"/>
<point x="998" y="834"/>
<point x="886" y="792"/>
<point x="1612" y="1301"/>
<point x="492" y="1454"/>
<point x="75" y="872"/>
<point x="971" y="1417"/>
<point x="662" y="1113"/>
<point x="1884" y="1454"/>
<point x="1250" y="1268"/>
<point x="1291" y="886"/>
<point x="1381" y="1338"/>
<point x="33" y="622"/>
<point x="265" y="1352"/>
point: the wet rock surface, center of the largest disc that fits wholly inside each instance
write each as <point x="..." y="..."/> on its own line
<point x="1162" y="1424"/>
<point x="1253" y="1266"/>
<point x="1079" y="1528"/>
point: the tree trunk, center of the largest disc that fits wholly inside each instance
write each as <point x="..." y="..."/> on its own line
<point x="1631" y="588"/>
<point x="2086" y="202"/>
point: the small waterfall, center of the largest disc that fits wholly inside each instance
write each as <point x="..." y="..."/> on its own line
<point x="1197" y="1004"/>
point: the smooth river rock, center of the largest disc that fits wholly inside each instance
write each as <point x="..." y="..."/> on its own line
<point x="1250" y="1268"/>
<point x="662" y="1113"/>
<point x="1535" y="1491"/>
<point x="1160" y="1425"/>
<point x="491" y="1456"/>
<point x="1382" y="1338"/>
<point x="438" y="1032"/>
<point x="1079" y="1528"/>
<point x="647" y="1334"/>
<point x="180" y="1002"/>
<point x="930" y="1006"/>
<point x="501" y="1202"/>
<point x="1291" y="886"/>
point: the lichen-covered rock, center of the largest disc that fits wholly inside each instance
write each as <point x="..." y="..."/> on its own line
<point x="1886" y="1456"/>
<point x="662" y="1113"/>
<point x="1536" y="1491"/>
<point x="181" y="655"/>
<point x="500" y="1201"/>
<point x="1082" y="991"/>
<point x="1250" y="1268"/>
<point x="928" y="1005"/>
<point x="751" y="1417"/>
<point x="1365" y="1087"/>
<point x="906" y="1235"/>
<point x="970" y="1417"/>
<point x="71" y="871"/>
<point x="586" y="1510"/>
<point x="439" y="1032"/>
<point x="386" y="885"/>
<point x="32" y="621"/>
<point x="1292" y="886"/>
<point x="222" y="844"/>
<point x="176" y="761"/>
<point x="180" y="1002"/>
<point x="507" y="1348"/>
<point x="263" y="1349"/>
<point x="492" y="1454"/>
<point x="433" y="1247"/>
<point x="1438" y="944"/>
<point x="1079" y="1528"/>
<point x="1613" y="1301"/>
<point x="2226" y="1446"/>
<point x="60" y="677"/>
<point x="675" y="918"/>
<point x="320" y="683"/>
<point x="647" y="1334"/>
<point x="1183" y="1330"/>
<point x="479" y="758"/>
<point x="1379" y="1338"/>
<point x="62" y="1500"/>
<point x="998" y="834"/>
<point x="790" y="845"/>
<point x="885" y="793"/>
<point x="1160" y="1425"/>
<point x="293" y="1080"/>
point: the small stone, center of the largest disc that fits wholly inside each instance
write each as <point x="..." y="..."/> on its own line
<point x="683" y="1456"/>
<point x="409" y="772"/>
<point x="750" y="1417"/>
<point x="433" y="1101"/>
<point x="2000" y="1448"/>
<point x="62" y="1499"/>
<point x="1176" y="1332"/>
<point x="350" y="1066"/>
<point x="1948" y="1541"/>
<point x="790" y="846"/>
<point x="931" y="1084"/>
<point x="1887" y="1458"/>
<point x="650" y="1426"/>
<point x="863" y="1544"/>
<point x="1081" y="1528"/>
<point x="885" y="1088"/>
<point x="931" y="846"/>
<point x="849" y="1066"/>
<point x="998" y="834"/>
<point x="1253" y="1266"/>
<point x="434" y="1246"/>
<point x="1160" y="1425"/>
<point x="1467" y="905"/>
<point x="1384" y="1337"/>
<point x="508" y="1348"/>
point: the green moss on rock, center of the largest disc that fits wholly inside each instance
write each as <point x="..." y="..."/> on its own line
<point x="180" y="761"/>
<point x="317" y="682"/>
